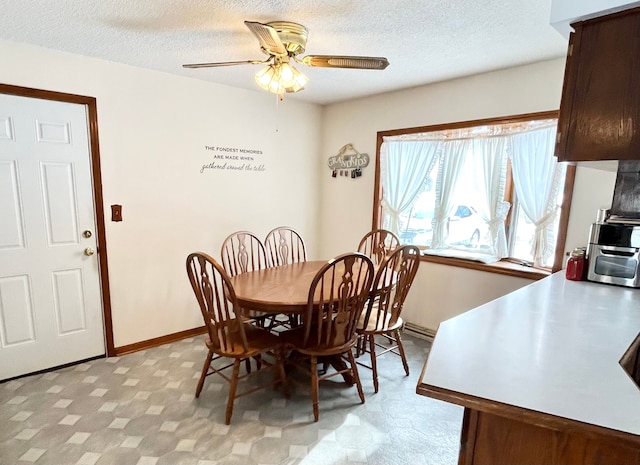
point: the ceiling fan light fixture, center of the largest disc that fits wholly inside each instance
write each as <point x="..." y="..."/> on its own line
<point x="281" y="77"/>
<point x="291" y="79"/>
<point x="266" y="79"/>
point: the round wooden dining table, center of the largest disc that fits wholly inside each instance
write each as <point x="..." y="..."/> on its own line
<point x="281" y="289"/>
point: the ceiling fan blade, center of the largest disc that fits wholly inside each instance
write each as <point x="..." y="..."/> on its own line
<point x="224" y="63"/>
<point x="268" y="37"/>
<point x="335" y="61"/>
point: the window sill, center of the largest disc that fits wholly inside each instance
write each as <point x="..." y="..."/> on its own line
<point x="501" y="267"/>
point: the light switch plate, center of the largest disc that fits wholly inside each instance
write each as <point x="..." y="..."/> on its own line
<point x="116" y="212"/>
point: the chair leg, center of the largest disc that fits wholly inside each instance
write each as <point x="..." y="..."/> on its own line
<point x="359" y="350"/>
<point x="401" y="349"/>
<point x="232" y="390"/>
<point x="205" y="369"/>
<point x="325" y="366"/>
<point x="356" y="376"/>
<point x="281" y="373"/>
<point x="247" y="364"/>
<point x="293" y="321"/>
<point x="314" y="386"/>
<point x="374" y="363"/>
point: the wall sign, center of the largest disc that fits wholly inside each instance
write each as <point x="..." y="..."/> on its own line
<point x="349" y="162"/>
<point x="233" y="159"/>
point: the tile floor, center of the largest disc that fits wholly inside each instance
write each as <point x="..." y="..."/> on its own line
<point x="140" y="409"/>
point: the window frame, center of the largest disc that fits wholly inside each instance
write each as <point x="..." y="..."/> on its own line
<point x="503" y="266"/>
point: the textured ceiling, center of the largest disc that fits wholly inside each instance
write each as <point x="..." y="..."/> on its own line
<point x="424" y="41"/>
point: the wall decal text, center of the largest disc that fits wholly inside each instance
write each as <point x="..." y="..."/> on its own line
<point x="233" y="159"/>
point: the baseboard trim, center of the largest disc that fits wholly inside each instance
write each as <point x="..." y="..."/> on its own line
<point x="410" y="328"/>
<point x="158" y="341"/>
<point x="419" y="331"/>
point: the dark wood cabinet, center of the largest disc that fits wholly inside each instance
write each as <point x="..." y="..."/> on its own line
<point x="600" y="109"/>
<point x="489" y="438"/>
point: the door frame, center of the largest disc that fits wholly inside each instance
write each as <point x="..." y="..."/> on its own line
<point x="94" y="155"/>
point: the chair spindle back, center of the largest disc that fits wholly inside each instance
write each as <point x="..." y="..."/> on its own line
<point x="284" y="246"/>
<point x="241" y="252"/>
<point x="217" y="301"/>
<point x="391" y="285"/>
<point x="377" y="244"/>
<point x="337" y="296"/>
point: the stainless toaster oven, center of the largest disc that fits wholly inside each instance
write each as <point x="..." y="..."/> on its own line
<point x="614" y="254"/>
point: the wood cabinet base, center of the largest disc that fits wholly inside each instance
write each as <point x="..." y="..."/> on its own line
<point x="492" y="439"/>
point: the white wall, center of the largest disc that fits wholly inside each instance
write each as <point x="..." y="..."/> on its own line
<point x="593" y="189"/>
<point x="441" y="292"/>
<point x="153" y="130"/>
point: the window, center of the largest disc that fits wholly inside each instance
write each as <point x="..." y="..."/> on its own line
<point x="486" y="190"/>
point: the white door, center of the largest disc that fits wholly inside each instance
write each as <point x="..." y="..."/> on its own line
<point x="50" y="297"/>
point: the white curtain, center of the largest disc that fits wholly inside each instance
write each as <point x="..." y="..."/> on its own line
<point x="537" y="177"/>
<point x="490" y="161"/>
<point x="451" y="160"/>
<point x="404" y="165"/>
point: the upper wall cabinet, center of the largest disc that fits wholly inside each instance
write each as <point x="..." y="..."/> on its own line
<point x="566" y="12"/>
<point x="600" y="109"/>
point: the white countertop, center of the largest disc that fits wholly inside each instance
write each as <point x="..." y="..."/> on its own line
<point x="551" y="347"/>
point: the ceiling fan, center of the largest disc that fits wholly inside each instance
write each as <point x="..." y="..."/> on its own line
<point x="283" y="41"/>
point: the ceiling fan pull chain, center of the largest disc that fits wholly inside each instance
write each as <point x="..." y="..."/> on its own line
<point x="277" y="110"/>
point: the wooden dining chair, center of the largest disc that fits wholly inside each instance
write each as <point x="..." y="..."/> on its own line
<point x="382" y="315"/>
<point x="228" y="334"/>
<point x="242" y="251"/>
<point x="336" y="300"/>
<point x="376" y="244"/>
<point x="284" y="245"/>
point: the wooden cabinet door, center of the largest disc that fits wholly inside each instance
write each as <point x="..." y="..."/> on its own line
<point x="600" y="109"/>
<point x="489" y="439"/>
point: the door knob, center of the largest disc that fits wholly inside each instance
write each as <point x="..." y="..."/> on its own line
<point x="89" y="251"/>
<point x="86" y="234"/>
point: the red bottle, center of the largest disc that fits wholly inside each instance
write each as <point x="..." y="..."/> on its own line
<point x="577" y="264"/>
